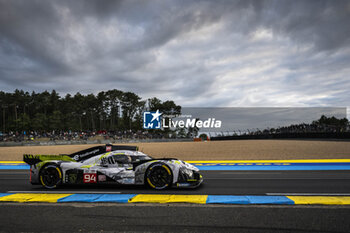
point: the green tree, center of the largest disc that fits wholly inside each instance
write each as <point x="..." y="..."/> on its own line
<point x="110" y="110"/>
<point x="39" y="122"/>
<point x="129" y="103"/>
<point x="55" y="120"/>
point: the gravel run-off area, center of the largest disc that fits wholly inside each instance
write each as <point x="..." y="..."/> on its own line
<point x="211" y="150"/>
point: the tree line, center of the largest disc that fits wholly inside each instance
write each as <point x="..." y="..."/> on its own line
<point x="112" y="110"/>
<point x="324" y="127"/>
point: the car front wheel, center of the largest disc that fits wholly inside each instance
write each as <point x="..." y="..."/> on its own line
<point x="159" y="176"/>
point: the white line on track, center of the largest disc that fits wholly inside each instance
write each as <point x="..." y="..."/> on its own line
<point x="244" y="173"/>
<point x="14" y="172"/>
<point x="71" y="191"/>
<point x="269" y="178"/>
<point x="17" y="174"/>
<point x="308" y="194"/>
<point x="11" y="178"/>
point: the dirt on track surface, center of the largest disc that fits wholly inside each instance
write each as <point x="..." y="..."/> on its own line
<point x="214" y="150"/>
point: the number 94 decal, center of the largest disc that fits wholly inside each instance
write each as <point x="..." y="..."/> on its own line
<point x="89" y="177"/>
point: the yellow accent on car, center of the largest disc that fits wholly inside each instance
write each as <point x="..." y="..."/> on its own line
<point x="275" y="161"/>
<point x="59" y="172"/>
<point x="104" y="155"/>
<point x="41" y="180"/>
<point x="166" y="168"/>
<point x="150" y="183"/>
<point x="49" y="157"/>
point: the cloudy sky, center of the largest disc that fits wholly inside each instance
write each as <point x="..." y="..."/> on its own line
<point x="198" y="53"/>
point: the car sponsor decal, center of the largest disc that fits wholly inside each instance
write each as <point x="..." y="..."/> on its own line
<point x="72" y="178"/>
<point x="102" y="178"/>
<point x="77" y="157"/>
<point x="89" y="178"/>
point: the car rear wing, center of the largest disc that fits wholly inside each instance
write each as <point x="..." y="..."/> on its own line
<point x="34" y="159"/>
<point x="77" y="156"/>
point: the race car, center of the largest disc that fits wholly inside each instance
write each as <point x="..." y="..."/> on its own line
<point x="117" y="164"/>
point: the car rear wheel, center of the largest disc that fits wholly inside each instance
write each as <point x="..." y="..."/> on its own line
<point x="50" y="176"/>
<point x="158" y="176"/>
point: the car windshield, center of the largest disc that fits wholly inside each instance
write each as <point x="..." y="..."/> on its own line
<point x="138" y="158"/>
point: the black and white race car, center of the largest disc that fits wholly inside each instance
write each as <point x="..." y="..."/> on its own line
<point x="111" y="164"/>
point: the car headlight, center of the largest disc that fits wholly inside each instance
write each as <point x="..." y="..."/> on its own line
<point x="188" y="172"/>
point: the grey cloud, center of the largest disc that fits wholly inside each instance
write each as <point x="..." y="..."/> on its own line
<point x="235" y="119"/>
<point x="203" y="53"/>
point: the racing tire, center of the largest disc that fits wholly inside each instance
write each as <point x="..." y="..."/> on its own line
<point x="50" y="176"/>
<point x="158" y="176"/>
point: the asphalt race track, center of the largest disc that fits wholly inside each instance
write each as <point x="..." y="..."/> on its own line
<point x="98" y="217"/>
<point x="215" y="182"/>
<point x="88" y="217"/>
